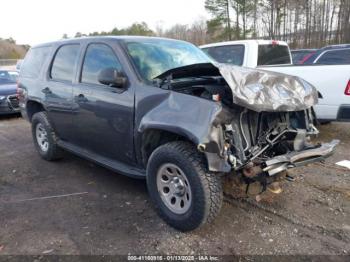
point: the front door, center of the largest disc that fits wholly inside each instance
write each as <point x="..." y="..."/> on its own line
<point x="103" y="115"/>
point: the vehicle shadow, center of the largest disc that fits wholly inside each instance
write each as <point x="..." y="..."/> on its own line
<point x="10" y="116"/>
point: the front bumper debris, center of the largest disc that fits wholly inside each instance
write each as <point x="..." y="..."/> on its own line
<point x="9" y="105"/>
<point x="299" y="158"/>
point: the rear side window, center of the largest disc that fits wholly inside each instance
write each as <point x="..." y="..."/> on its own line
<point x="97" y="58"/>
<point x="231" y="54"/>
<point x="64" y="63"/>
<point x="335" y="57"/>
<point x="34" y="61"/>
<point x="273" y="55"/>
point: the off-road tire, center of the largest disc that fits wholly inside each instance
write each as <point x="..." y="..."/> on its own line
<point x="54" y="152"/>
<point x="206" y="188"/>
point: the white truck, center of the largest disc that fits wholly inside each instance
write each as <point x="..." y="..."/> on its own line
<point x="332" y="81"/>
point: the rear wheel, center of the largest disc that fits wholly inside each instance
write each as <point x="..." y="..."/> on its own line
<point x="184" y="193"/>
<point x="44" y="137"/>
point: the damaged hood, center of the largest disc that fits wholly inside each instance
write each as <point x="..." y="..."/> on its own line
<point x="258" y="90"/>
<point x="261" y="90"/>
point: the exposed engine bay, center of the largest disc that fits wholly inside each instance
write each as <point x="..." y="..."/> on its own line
<point x="252" y="136"/>
<point x="258" y="144"/>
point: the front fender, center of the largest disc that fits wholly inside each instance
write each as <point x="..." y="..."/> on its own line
<point x="197" y="119"/>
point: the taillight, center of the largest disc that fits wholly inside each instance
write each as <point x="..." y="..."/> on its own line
<point x="19" y="91"/>
<point x="347" y="89"/>
<point x="274" y="42"/>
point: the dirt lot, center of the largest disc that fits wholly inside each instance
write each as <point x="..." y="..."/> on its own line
<point x="106" y="213"/>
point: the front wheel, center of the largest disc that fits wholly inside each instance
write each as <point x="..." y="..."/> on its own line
<point x="184" y="193"/>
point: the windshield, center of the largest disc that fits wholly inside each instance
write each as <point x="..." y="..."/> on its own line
<point x="156" y="56"/>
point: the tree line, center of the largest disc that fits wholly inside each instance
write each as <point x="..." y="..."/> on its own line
<point x="302" y="23"/>
<point x="195" y="33"/>
<point x="9" y="49"/>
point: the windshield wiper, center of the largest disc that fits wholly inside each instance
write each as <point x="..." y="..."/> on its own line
<point x="166" y="83"/>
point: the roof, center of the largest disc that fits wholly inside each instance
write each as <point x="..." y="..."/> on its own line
<point x="335" y="46"/>
<point x="314" y="57"/>
<point x="250" y="41"/>
<point x="96" y="38"/>
<point x="304" y="50"/>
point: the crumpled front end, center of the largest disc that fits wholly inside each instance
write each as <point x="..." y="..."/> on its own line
<point x="261" y="90"/>
<point x="263" y="123"/>
<point x="272" y="126"/>
<point x="275" y="141"/>
<point x="263" y="145"/>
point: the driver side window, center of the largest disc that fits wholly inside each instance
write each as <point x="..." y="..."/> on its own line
<point x="97" y="58"/>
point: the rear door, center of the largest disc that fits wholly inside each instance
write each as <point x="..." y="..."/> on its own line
<point x="103" y="115"/>
<point x="58" y="92"/>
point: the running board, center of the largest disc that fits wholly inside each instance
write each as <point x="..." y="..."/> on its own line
<point x="103" y="161"/>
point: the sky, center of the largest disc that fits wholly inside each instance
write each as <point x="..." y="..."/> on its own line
<point x="37" y="21"/>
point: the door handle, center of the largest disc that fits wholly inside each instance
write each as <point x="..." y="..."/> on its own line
<point x="46" y="91"/>
<point x="81" y="98"/>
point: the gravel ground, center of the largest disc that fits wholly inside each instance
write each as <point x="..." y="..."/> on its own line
<point x="104" y="213"/>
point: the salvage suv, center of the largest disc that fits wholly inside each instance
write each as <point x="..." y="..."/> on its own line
<point x="160" y="109"/>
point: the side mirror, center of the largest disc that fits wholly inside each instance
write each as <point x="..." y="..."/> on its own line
<point x="112" y="77"/>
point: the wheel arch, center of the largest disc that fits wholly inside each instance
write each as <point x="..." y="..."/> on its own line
<point x="33" y="107"/>
<point x="154" y="137"/>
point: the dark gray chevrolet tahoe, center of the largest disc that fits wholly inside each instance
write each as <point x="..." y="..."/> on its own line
<point x="161" y="109"/>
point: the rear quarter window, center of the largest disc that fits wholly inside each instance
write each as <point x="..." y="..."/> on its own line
<point x="273" y="55"/>
<point x="335" y="57"/>
<point x="34" y="61"/>
<point x="230" y="54"/>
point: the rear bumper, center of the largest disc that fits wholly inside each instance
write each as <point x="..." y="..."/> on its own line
<point x="295" y="159"/>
